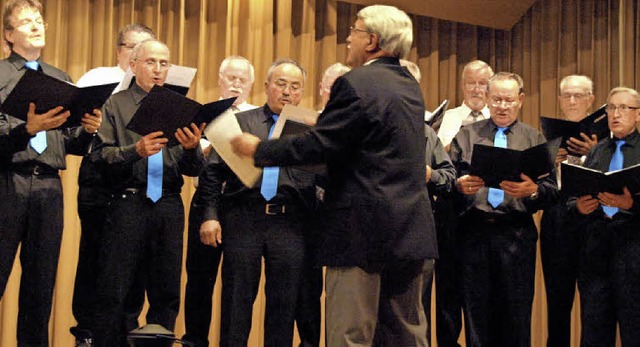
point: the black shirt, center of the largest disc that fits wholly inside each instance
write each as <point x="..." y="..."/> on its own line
<point x="294" y="185"/>
<point x="14" y="139"/>
<point x="520" y="136"/>
<point x="122" y="166"/>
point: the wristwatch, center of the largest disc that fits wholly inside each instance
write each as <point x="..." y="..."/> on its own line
<point x="534" y="195"/>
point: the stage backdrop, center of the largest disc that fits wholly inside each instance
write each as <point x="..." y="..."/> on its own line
<point x="598" y="38"/>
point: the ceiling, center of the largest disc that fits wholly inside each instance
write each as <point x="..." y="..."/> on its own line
<point x="498" y="14"/>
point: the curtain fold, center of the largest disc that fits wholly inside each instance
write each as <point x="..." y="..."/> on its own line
<point x="598" y="38"/>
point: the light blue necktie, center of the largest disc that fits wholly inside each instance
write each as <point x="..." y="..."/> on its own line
<point x="617" y="160"/>
<point x="38" y="142"/>
<point x="154" y="176"/>
<point x="496" y="196"/>
<point x="269" y="186"/>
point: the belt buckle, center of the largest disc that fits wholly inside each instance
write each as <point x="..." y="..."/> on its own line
<point x="274" y="209"/>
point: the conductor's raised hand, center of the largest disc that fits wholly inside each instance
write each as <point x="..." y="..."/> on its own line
<point x="151" y="144"/>
<point x="46" y="121"/>
<point x="245" y="145"/>
<point x="189" y="138"/>
<point x="91" y="121"/>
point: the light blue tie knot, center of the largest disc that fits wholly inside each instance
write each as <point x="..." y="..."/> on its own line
<point x="33" y="65"/>
<point x="617" y="162"/>
<point x="496" y="196"/>
<point x="269" y="186"/>
<point x="154" y="176"/>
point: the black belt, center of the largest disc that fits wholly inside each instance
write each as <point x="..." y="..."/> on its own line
<point x="136" y="191"/>
<point x="268" y="208"/>
<point x="35" y="170"/>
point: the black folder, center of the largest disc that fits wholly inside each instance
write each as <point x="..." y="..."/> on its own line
<point x="579" y="181"/>
<point x="596" y="123"/>
<point x="165" y="110"/>
<point x="47" y="92"/>
<point x="438" y="115"/>
<point x="495" y="164"/>
<point x="293" y="128"/>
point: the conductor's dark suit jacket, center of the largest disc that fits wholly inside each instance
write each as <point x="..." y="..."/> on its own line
<point x="371" y="135"/>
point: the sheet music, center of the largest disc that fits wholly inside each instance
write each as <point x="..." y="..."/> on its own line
<point x="220" y="132"/>
<point x="294" y="113"/>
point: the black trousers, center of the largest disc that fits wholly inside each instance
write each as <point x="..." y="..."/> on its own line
<point x="308" y="312"/>
<point x="248" y="236"/>
<point x="559" y="250"/>
<point x="497" y="269"/>
<point x="448" y="297"/>
<point x="609" y="282"/>
<point x="202" y="270"/>
<point x="31" y="214"/>
<point x="139" y="235"/>
<point x="92" y="210"/>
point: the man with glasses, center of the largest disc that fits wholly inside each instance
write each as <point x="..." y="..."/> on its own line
<point x="145" y="217"/>
<point x="609" y="277"/>
<point x="559" y="237"/>
<point x="235" y="78"/>
<point x="93" y="197"/>
<point x="377" y="226"/>
<point x="267" y="220"/>
<point x="496" y="233"/>
<point x="31" y="154"/>
<point x="475" y="78"/>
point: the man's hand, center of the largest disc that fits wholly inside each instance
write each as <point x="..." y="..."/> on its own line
<point x="561" y="156"/>
<point x="211" y="233"/>
<point x="151" y="144"/>
<point x="46" y="121"/>
<point x="91" y="122"/>
<point x="469" y="185"/>
<point x="587" y="204"/>
<point x="623" y="201"/>
<point x="189" y="138"/>
<point x="245" y="145"/>
<point x="429" y="172"/>
<point x="519" y="189"/>
<point x="582" y="147"/>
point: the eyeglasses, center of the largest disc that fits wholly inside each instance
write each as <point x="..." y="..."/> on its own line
<point x="473" y="85"/>
<point x="611" y="109"/>
<point x="503" y="103"/>
<point x="352" y="29"/>
<point x="294" y="87"/>
<point x="152" y="63"/>
<point x="577" y="96"/>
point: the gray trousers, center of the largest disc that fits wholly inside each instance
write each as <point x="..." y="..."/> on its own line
<point x="387" y="305"/>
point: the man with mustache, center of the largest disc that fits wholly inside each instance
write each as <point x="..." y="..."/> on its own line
<point x="267" y="220"/>
<point x="235" y="78"/>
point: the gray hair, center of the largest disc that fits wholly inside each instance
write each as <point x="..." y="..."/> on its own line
<point x="136" y="50"/>
<point x="504" y="76"/>
<point x="336" y="69"/>
<point x="582" y="80"/>
<point x="392" y="26"/>
<point x="621" y="89"/>
<point x="236" y="58"/>
<point x="281" y="61"/>
<point x="476" y="65"/>
<point x="134" y="27"/>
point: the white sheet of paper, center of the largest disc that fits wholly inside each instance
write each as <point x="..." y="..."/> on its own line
<point x="220" y="132"/>
<point x="294" y="113"/>
<point x="177" y="75"/>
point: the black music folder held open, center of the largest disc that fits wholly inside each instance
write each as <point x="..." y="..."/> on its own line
<point x="165" y="110"/>
<point x="48" y="92"/>
<point x="438" y="115"/>
<point x="595" y="123"/>
<point x="495" y="164"/>
<point x="579" y="181"/>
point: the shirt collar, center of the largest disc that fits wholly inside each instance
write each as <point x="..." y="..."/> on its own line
<point x="137" y="93"/>
<point x="629" y="140"/>
<point x="18" y="61"/>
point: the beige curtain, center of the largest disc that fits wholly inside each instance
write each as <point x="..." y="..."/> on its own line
<point x="554" y="38"/>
